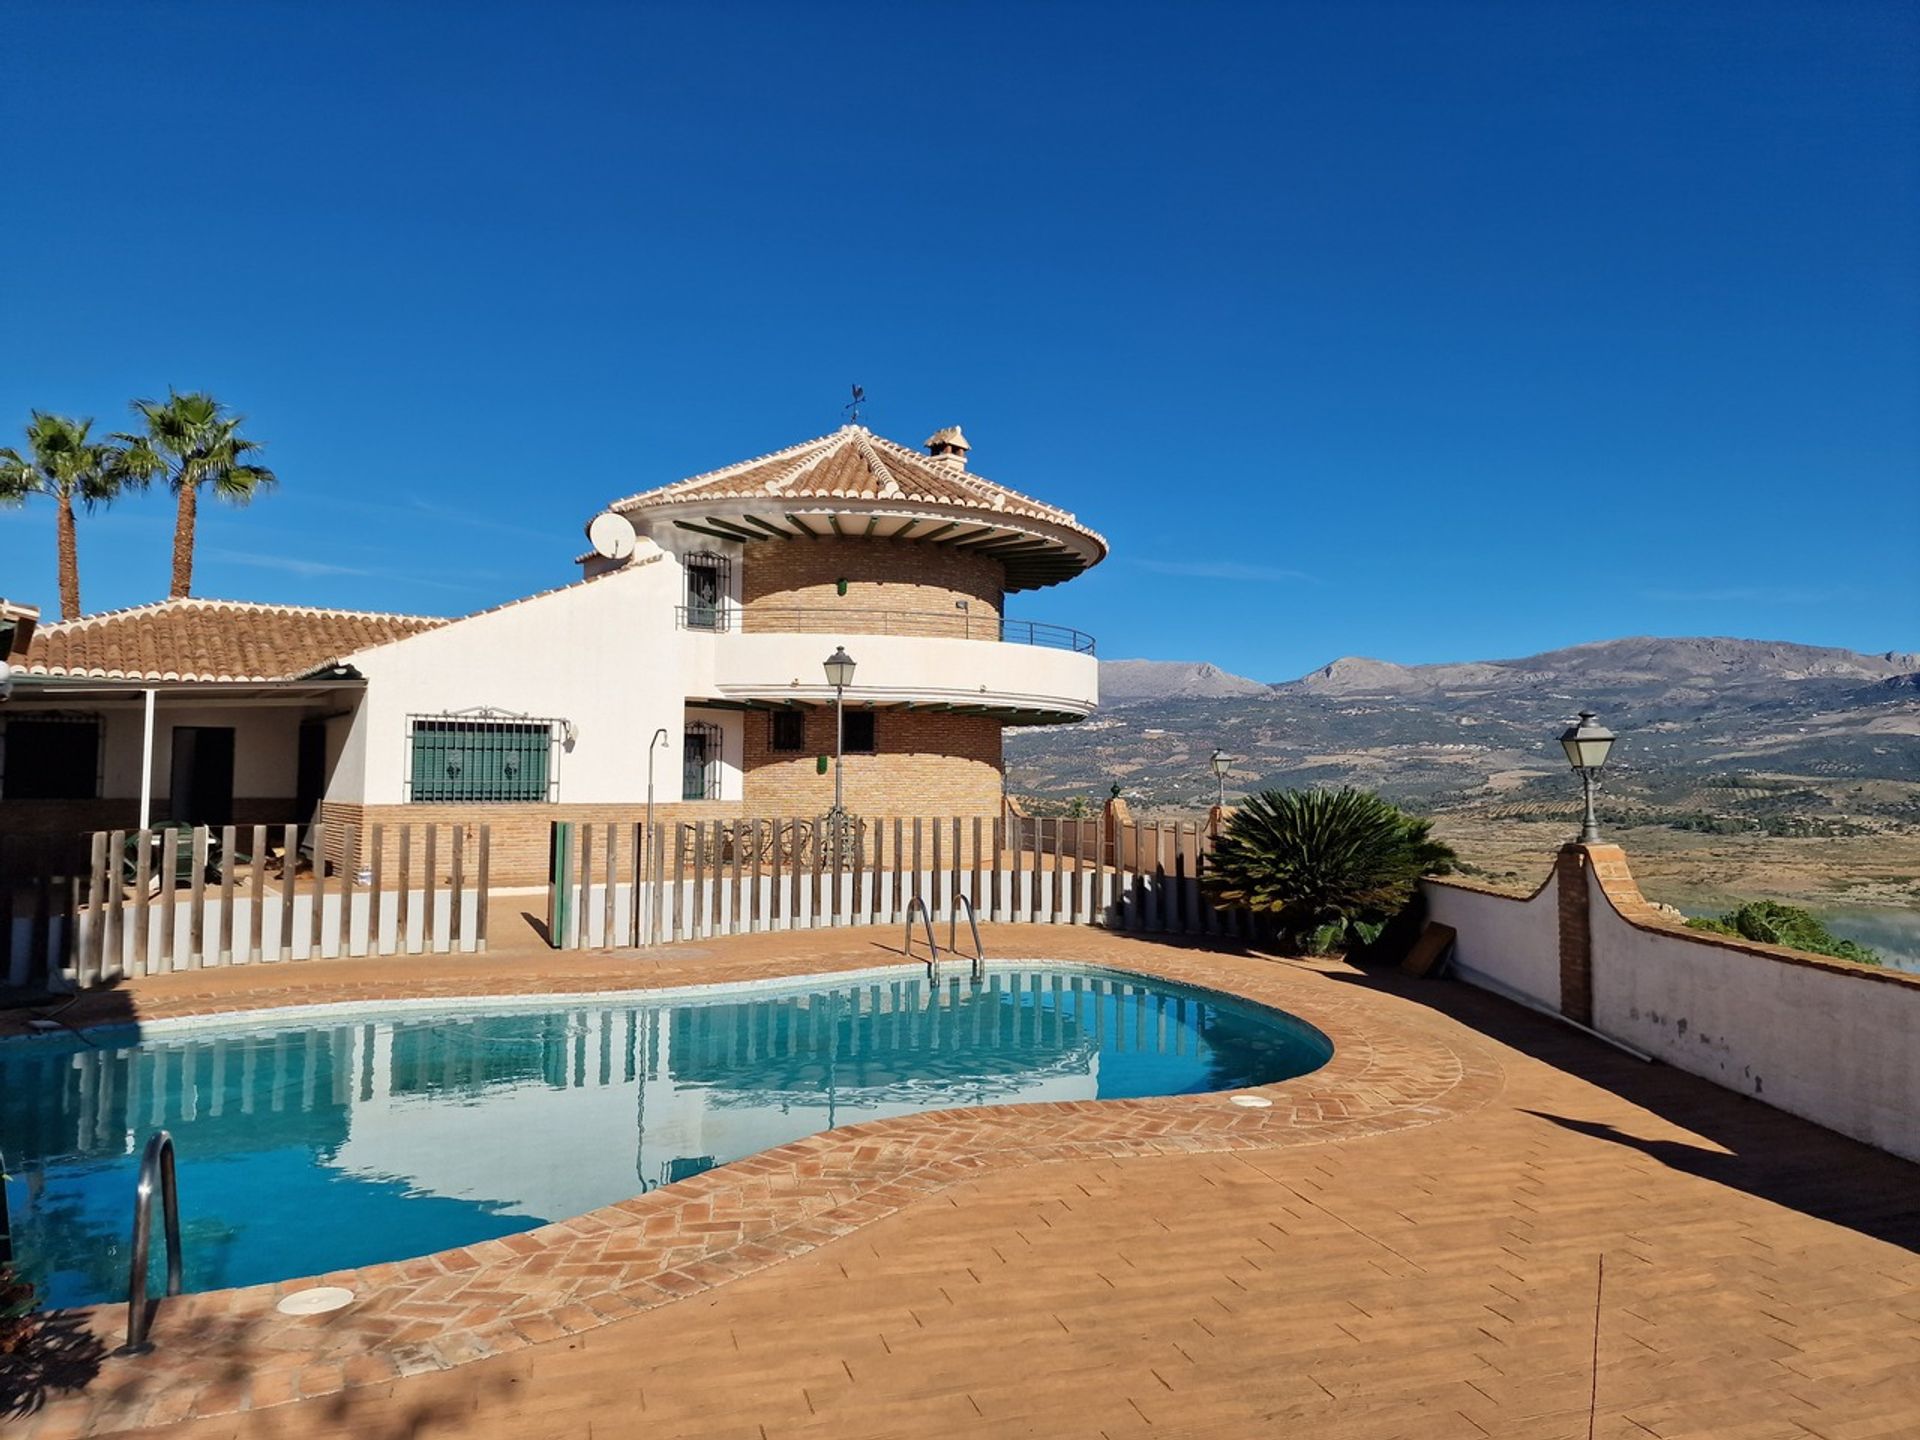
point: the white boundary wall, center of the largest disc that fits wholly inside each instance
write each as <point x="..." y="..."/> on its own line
<point x="1834" y="1043"/>
<point x="1503" y="942"/>
<point x="1830" y="1042"/>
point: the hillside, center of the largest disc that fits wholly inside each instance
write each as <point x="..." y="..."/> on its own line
<point x="1718" y="735"/>
<point x="1127" y="682"/>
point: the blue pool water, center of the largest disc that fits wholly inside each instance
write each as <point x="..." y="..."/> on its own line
<point x="314" y="1143"/>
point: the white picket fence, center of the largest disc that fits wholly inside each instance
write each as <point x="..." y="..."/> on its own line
<point x="618" y="885"/>
<point x="78" y="912"/>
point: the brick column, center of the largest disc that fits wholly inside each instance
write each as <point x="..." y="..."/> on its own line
<point x="1576" y="935"/>
<point x="1608" y="864"/>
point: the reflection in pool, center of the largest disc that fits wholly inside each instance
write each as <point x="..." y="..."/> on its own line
<point x="308" y="1145"/>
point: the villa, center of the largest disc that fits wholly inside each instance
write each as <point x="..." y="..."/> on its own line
<point x="713" y="1150"/>
<point x="686" y="660"/>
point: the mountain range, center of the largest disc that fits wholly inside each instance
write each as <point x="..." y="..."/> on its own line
<point x="1677" y="667"/>
<point x="1715" y="732"/>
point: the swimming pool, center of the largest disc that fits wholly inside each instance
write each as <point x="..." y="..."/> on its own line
<point x="318" y="1140"/>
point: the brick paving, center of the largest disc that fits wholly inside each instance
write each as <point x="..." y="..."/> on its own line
<point x="1411" y="1241"/>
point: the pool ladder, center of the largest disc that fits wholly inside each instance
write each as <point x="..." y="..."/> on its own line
<point x="960" y="899"/>
<point x="156" y="1168"/>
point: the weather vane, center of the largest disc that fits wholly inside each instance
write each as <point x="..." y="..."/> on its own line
<point x="852" y="407"/>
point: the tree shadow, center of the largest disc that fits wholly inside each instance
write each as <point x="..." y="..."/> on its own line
<point x="109" y="1002"/>
<point x="66" y="1356"/>
<point x="1761" y="1151"/>
<point x="60" y="1355"/>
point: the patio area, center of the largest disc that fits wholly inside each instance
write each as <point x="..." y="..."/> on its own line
<point x="1474" y="1221"/>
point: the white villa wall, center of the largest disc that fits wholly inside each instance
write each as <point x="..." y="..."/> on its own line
<point x="1833" y="1043"/>
<point x="611" y="657"/>
<point x="1511" y="942"/>
<point x="605" y="655"/>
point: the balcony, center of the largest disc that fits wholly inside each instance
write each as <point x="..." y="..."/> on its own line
<point x="921" y="625"/>
<point x="1022" y="671"/>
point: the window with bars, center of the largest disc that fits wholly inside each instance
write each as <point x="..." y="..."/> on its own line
<point x="478" y="758"/>
<point x="700" y="763"/>
<point x="708" y="580"/>
<point x="789" y="729"/>
<point x="50" y="757"/>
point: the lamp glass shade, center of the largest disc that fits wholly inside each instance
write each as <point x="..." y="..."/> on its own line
<point x="839" y="668"/>
<point x="1222" y="762"/>
<point x="1587" y="744"/>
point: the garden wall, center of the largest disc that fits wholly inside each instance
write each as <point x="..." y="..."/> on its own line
<point x="1827" y="1040"/>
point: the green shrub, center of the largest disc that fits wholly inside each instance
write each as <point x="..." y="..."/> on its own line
<point x="1771" y="923"/>
<point x="1322" y="864"/>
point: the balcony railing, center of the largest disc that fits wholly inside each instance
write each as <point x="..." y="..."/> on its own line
<point x="836" y="619"/>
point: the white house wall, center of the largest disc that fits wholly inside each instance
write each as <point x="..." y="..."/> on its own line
<point x="604" y="655"/>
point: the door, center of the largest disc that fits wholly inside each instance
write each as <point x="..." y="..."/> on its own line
<point x="310" y="773"/>
<point x="201" y="791"/>
<point x="699" y="747"/>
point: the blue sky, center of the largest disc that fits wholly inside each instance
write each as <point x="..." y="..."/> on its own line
<point x="1427" y="331"/>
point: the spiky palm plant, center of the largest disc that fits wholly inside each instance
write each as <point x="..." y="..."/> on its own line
<point x="64" y="461"/>
<point x="192" y="441"/>
<point x="1320" y="862"/>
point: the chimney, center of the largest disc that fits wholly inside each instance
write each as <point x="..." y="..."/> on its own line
<point x="949" y="447"/>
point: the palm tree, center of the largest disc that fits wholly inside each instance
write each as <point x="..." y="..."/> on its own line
<point x="190" y="441"/>
<point x="1321" y="862"/>
<point x="63" y="461"/>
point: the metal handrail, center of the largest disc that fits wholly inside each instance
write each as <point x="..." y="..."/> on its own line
<point x="155" y="1164"/>
<point x="852" y="620"/>
<point x="960" y="897"/>
<point x="6" y="1224"/>
<point x="926" y="919"/>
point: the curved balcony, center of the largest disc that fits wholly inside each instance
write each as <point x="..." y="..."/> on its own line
<point x="1021" y="671"/>
<point x="849" y="620"/>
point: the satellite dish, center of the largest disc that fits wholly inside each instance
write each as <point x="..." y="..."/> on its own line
<point x="611" y="535"/>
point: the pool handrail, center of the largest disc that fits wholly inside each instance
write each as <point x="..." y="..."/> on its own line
<point x="156" y="1165"/>
<point x="926" y="920"/>
<point x="960" y="897"/>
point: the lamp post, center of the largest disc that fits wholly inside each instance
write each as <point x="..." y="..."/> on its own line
<point x="1587" y="745"/>
<point x="1222" y="763"/>
<point x="839" y="668"/>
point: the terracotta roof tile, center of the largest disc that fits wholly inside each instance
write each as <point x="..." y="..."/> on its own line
<point x="854" y="463"/>
<point x="194" y="639"/>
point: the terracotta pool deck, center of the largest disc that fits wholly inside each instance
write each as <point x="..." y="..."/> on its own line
<point x="1436" y="1235"/>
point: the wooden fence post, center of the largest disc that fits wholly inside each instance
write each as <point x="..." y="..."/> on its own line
<point x="197" y="916"/>
<point x="257" y="897"/>
<point x="403" y="897"/>
<point x="142" y="956"/>
<point x="480" y="890"/>
<point x="430" y="892"/>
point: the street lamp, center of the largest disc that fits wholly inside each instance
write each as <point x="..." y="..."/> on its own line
<point x="1222" y="763"/>
<point x="839" y="668"/>
<point x="1587" y="745"/>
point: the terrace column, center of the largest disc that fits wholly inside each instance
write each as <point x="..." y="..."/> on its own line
<point x="146" y="764"/>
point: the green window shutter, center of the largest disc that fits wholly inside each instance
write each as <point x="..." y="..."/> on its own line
<point x="480" y="760"/>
